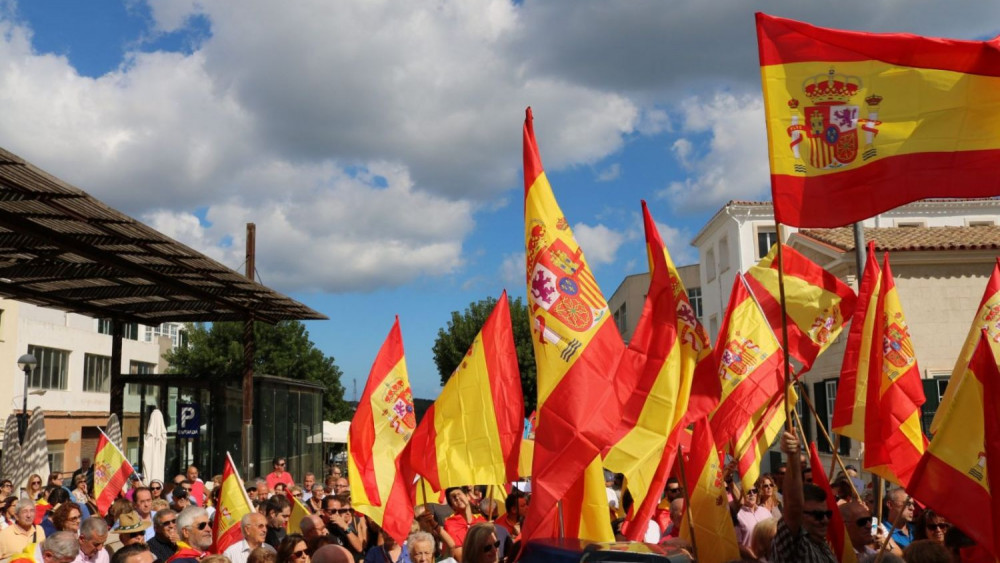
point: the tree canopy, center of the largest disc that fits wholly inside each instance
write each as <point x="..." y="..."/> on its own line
<point x="282" y="349"/>
<point x="452" y="343"/>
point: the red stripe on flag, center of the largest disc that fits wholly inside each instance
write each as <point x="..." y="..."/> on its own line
<point x="836" y="532"/>
<point x="934" y="479"/>
<point x="988" y="371"/>
<point x="505" y="383"/>
<point x="420" y="454"/>
<point x="843" y="409"/>
<point x="114" y="487"/>
<point x="532" y="159"/>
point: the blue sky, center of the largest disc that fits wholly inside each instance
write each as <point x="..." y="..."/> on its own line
<point x="377" y="144"/>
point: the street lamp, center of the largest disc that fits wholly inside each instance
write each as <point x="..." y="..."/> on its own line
<point x="27" y="362"/>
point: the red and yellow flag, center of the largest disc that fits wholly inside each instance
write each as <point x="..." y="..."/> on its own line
<point x="672" y="353"/>
<point x="749" y="360"/>
<point x="756" y="437"/>
<point x="817" y="303"/>
<point x="836" y="531"/>
<point x="956" y="471"/>
<point x="233" y="506"/>
<point x="382" y="425"/>
<point x="111" y="473"/>
<point x="577" y="351"/>
<point x="472" y="433"/>
<point x="852" y="391"/>
<point x="894" y="440"/>
<point x="299" y="511"/>
<point x="988" y="319"/>
<point x="714" y="534"/>
<point x="860" y="123"/>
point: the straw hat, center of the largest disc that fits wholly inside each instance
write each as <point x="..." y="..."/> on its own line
<point x="130" y="523"/>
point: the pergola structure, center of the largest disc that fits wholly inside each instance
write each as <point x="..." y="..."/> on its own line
<point x="62" y="248"/>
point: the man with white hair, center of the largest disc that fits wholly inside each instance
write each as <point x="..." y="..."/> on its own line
<point x="254" y="528"/>
<point x="195" y="534"/>
<point x="14" y="538"/>
<point x="60" y="547"/>
<point x="93" y="536"/>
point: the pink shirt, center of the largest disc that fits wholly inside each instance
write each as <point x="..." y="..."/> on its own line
<point x="273" y="479"/>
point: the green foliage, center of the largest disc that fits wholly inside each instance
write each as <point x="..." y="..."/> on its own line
<point x="283" y="349"/>
<point x="452" y="344"/>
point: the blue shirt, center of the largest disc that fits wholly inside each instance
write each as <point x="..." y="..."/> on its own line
<point x="901" y="539"/>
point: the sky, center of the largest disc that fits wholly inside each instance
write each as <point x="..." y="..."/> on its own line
<point x="376" y="144"/>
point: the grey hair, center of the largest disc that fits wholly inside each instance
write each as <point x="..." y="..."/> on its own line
<point x="62" y="544"/>
<point x="160" y="515"/>
<point x="187" y="516"/>
<point x="92" y="527"/>
<point x="419" y="537"/>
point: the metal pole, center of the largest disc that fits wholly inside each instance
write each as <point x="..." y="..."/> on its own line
<point x="248" y="355"/>
<point x="23" y="423"/>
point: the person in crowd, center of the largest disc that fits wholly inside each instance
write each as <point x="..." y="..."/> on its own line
<point x="315" y="502"/>
<point x="926" y="551"/>
<point x="308" y="481"/>
<point x="195" y="533"/>
<point x="87" y="470"/>
<point x="156" y="488"/>
<point x="142" y="498"/>
<point x="93" y="536"/>
<point x="67" y="517"/>
<point x="858" y="520"/>
<point x="516" y="504"/>
<point x="420" y="547"/>
<point x="342" y="486"/>
<point x="293" y="549"/>
<point x="329" y="484"/>
<point x="61" y="547"/>
<point x="340" y="525"/>
<point x="279" y="490"/>
<point x="56" y="497"/>
<point x="931" y="526"/>
<point x="8" y="510"/>
<point x="265" y="555"/>
<point x="136" y="553"/>
<point x="13" y="539"/>
<point x="767" y="494"/>
<point x="196" y="487"/>
<point x="900" y="509"/>
<point x="277" y="510"/>
<point x="263" y="490"/>
<point x="762" y="538"/>
<point x="253" y="526"/>
<point x="748" y="515"/>
<point x="159" y="504"/>
<point x="801" y="531"/>
<point x="388" y="552"/>
<point x="312" y="526"/>
<point x="180" y="499"/>
<point x="80" y="494"/>
<point x="163" y="544"/>
<point x="6" y="487"/>
<point x="34" y="489"/>
<point x="457" y="525"/>
<point x="428" y="523"/>
<point x="481" y="544"/>
<point x="779" y="478"/>
<point x="279" y="474"/>
<point x="676" y="516"/>
<point x="129" y="529"/>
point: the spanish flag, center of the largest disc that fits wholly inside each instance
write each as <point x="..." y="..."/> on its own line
<point x="988" y="319"/>
<point x="852" y="392"/>
<point x="836" y="531"/>
<point x="111" y="473"/>
<point x="672" y="352"/>
<point x="818" y="304"/>
<point x="233" y="506"/>
<point x="472" y="433"/>
<point x="894" y="440"/>
<point x="756" y="437"/>
<point x="577" y="351"/>
<point x="860" y="123"/>
<point x="382" y="425"/>
<point x="749" y="360"/>
<point x="963" y="459"/>
<point x="709" y="517"/>
<point x="299" y="511"/>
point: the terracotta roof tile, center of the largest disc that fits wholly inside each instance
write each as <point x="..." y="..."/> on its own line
<point x="912" y="238"/>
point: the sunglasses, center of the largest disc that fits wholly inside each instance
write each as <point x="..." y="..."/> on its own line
<point x="819" y="514"/>
<point x="298" y="554"/>
<point x="864" y="522"/>
<point x="338" y="511"/>
<point x="941" y="526"/>
<point x="156" y="488"/>
<point x="752" y="492"/>
<point x="767" y="486"/>
<point x="166" y="523"/>
<point x="201" y="525"/>
<point x="491" y="546"/>
<point x="35" y="483"/>
<point x="676" y="491"/>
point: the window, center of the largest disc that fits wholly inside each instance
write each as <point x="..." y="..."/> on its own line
<point x="910" y="224"/>
<point x="825" y="393"/>
<point x="724" y="254"/>
<point x="174" y="331"/>
<point x="96" y="373"/>
<point x="694" y="296"/>
<point x="981" y="223"/>
<point x="620" y="319"/>
<point x="713" y="327"/>
<point x="129" y="330"/>
<point x="766" y="238"/>
<point x="56" y="456"/>
<point x="710" y="264"/>
<point x="50" y="373"/>
<point x="934" y="388"/>
<point x="141" y="368"/>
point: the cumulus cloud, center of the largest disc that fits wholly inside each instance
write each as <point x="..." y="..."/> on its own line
<point x="599" y="243"/>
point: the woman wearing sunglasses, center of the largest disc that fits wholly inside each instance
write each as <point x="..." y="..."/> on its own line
<point x="481" y="544"/>
<point x="931" y="526"/>
<point x="34" y="489"/>
<point x="293" y="549"/>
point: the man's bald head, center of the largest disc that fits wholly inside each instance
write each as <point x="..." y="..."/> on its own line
<point x="332" y="554"/>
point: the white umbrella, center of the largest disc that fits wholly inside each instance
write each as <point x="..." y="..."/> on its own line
<point x="154" y="448"/>
<point x="35" y="450"/>
<point x="336" y="433"/>
<point x="114" y="431"/>
<point x="13" y="462"/>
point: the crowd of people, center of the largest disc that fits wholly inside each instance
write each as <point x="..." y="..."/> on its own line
<point x="783" y="517"/>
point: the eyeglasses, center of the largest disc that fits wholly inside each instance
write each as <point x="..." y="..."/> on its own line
<point x="752" y="492"/>
<point x="298" y="554"/>
<point x="35" y="483"/>
<point x="156" y="488"/>
<point x="819" y="514"/>
<point x="491" y="546"/>
<point x="864" y="522"/>
<point x="77" y="519"/>
<point x="202" y="525"/>
<point x="166" y="523"/>
<point x="767" y="486"/>
<point x="338" y="511"/>
<point x="939" y="526"/>
<point x="675" y="491"/>
<point x="187" y="489"/>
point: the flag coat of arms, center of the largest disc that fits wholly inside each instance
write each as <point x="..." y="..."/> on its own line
<point x="859" y="123"/>
<point x="233" y="506"/>
<point x="111" y="472"/>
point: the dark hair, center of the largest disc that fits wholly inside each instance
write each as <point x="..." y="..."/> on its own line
<point x="672" y="480"/>
<point x="448" y="491"/>
<point x="925" y="551"/>
<point x="813" y="493"/>
<point x="475" y="540"/>
<point x="512" y="498"/>
<point x="276" y="504"/>
<point x="922" y="521"/>
<point x="287" y="547"/>
<point x="58" y="495"/>
<point x="122" y="555"/>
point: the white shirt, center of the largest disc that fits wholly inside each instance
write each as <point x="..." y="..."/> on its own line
<point x="101" y="556"/>
<point x="239" y="552"/>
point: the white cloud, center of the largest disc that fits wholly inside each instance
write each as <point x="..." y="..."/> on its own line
<point x="599" y="243"/>
<point x="512" y="270"/>
<point x="610" y="173"/>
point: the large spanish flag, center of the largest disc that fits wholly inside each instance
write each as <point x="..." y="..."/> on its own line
<point x="749" y="361"/>
<point x="836" y="531"/>
<point x="577" y="351"/>
<point x="709" y="517"/>
<point x="860" y="123"/>
<point x="672" y="353"/>
<point x="472" y="433"/>
<point x="956" y="472"/>
<point x="111" y="472"/>
<point x="817" y="303"/>
<point x="233" y="506"/>
<point x="382" y="425"/>
<point x="894" y="440"/>
<point x="852" y="391"/>
<point x="988" y="319"/>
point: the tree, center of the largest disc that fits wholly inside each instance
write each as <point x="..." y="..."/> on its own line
<point x="282" y="349"/>
<point x="452" y="344"/>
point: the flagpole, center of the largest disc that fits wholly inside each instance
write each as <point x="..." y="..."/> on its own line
<point x="833" y="448"/>
<point x="895" y="526"/>
<point x="687" y="499"/>
<point x="784" y="323"/>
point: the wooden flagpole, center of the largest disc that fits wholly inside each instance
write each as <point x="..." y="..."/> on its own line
<point x="687" y="499"/>
<point x="784" y="323"/>
<point x="833" y="447"/>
